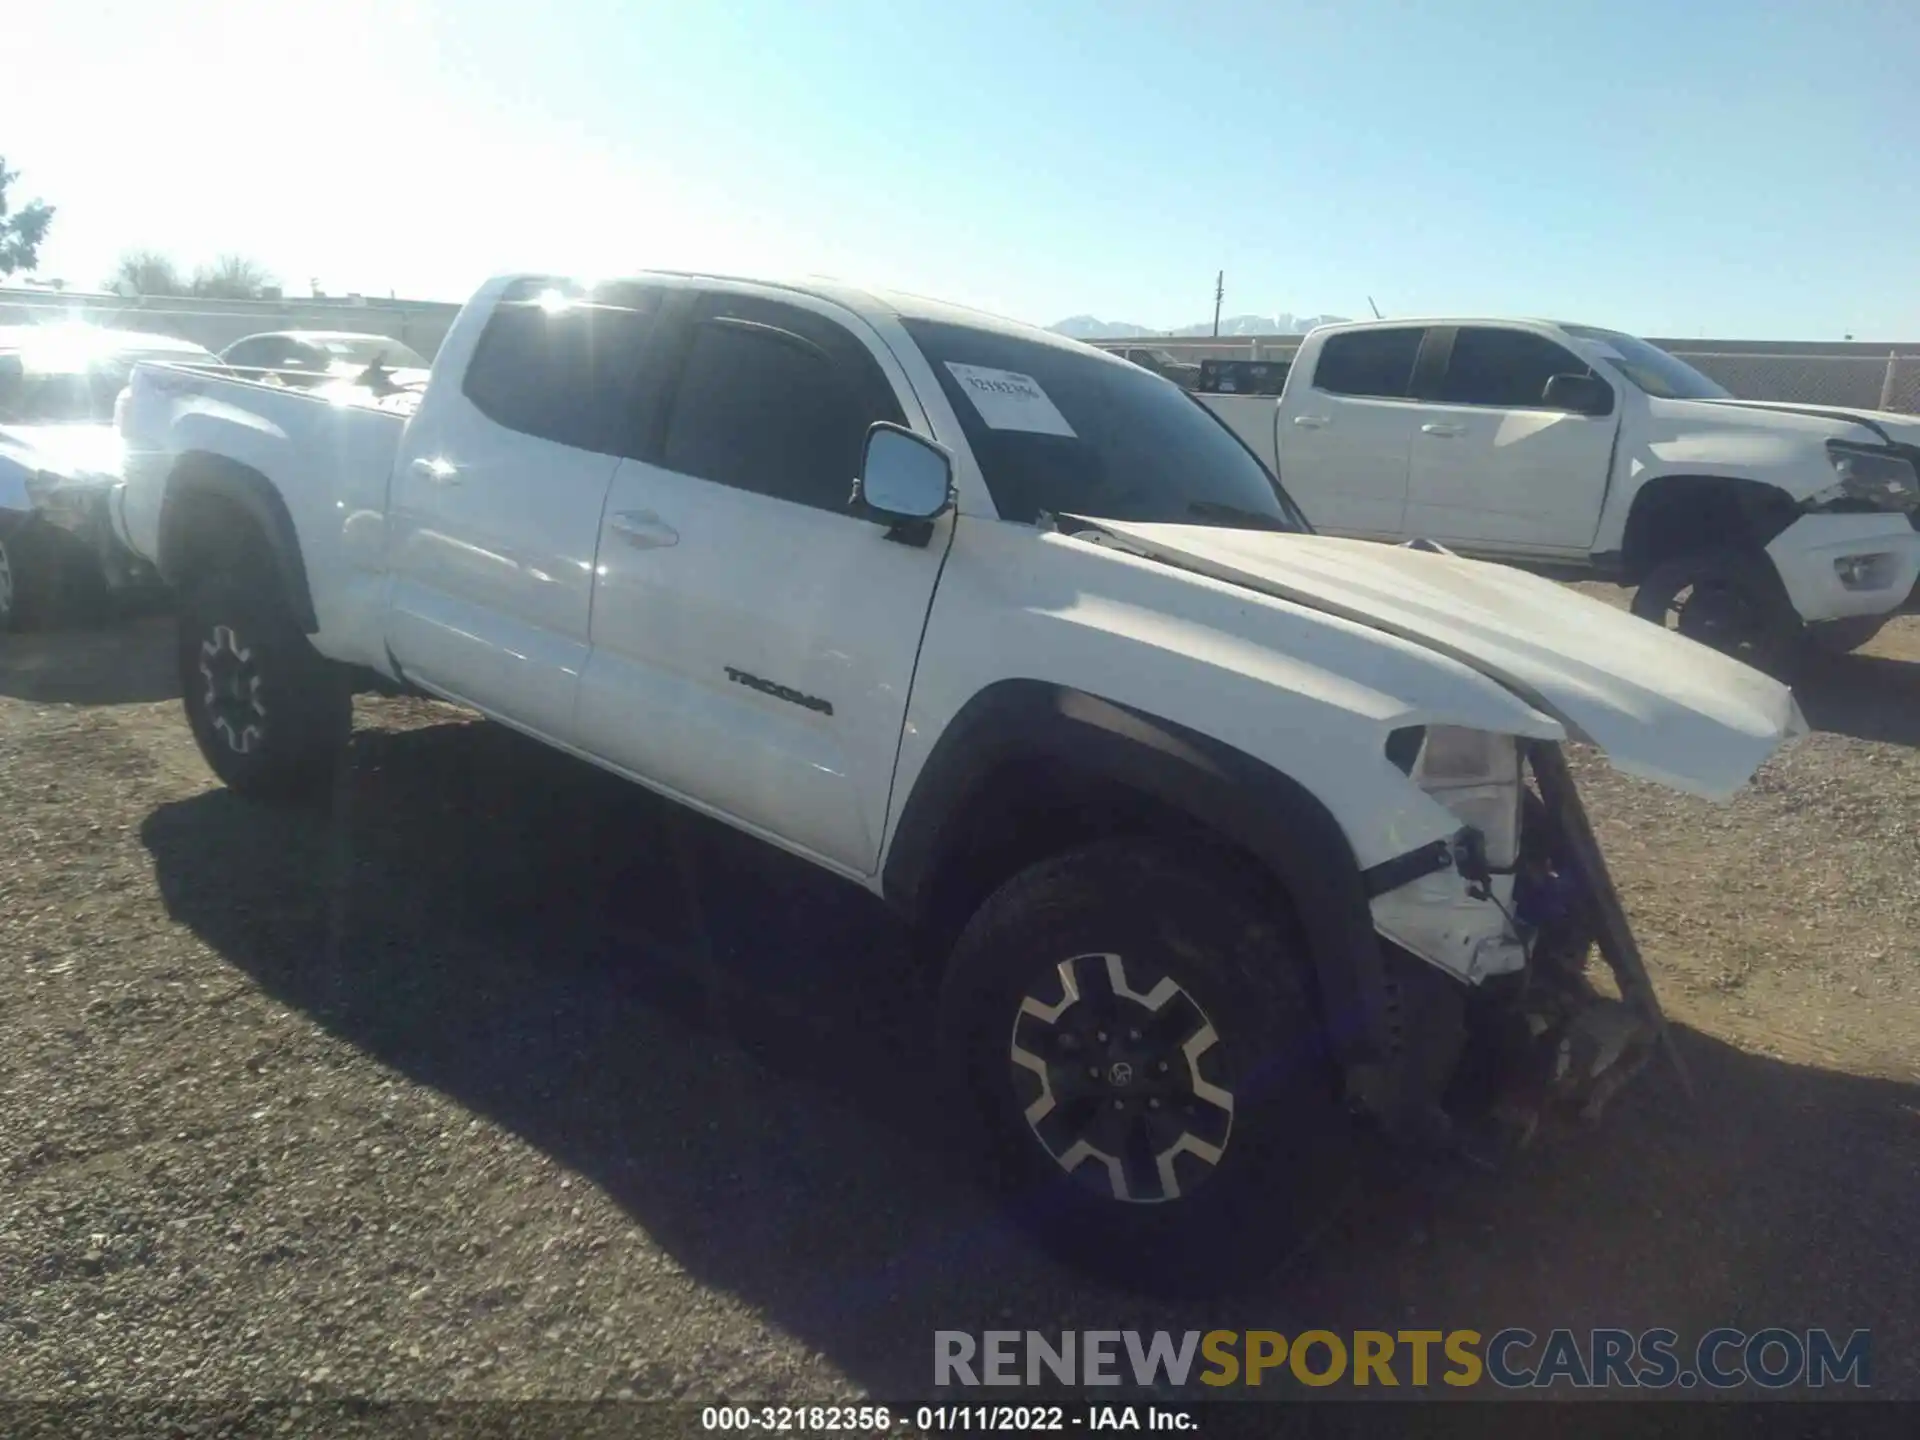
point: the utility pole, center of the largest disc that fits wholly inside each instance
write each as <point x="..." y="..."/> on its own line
<point x="1219" y="294"/>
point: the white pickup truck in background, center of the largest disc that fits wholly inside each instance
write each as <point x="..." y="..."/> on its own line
<point x="1219" y="829"/>
<point x="1746" y="524"/>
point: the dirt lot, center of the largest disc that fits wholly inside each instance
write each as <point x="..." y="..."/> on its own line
<point x="507" y="1081"/>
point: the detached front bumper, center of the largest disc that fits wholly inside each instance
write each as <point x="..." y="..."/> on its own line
<point x="1836" y="567"/>
<point x="1485" y="1050"/>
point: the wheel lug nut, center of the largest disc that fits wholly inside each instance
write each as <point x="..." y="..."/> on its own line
<point x="1101" y="1036"/>
<point x="1133" y="1035"/>
<point x="1093" y="1072"/>
<point x="1154" y="1104"/>
<point x="1119" y="1104"/>
<point x="1162" y="1067"/>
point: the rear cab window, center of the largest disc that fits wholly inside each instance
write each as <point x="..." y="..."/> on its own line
<point x="1370" y="364"/>
<point x="562" y="364"/>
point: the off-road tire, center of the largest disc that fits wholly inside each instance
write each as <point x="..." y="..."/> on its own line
<point x="1843" y="637"/>
<point x="1746" y="578"/>
<point x="15" y="612"/>
<point x="270" y="714"/>
<point x="50" y="579"/>
<point x="1235" y="954"/>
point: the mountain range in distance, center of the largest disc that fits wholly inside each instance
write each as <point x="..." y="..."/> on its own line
<point x="1089" y="327"/>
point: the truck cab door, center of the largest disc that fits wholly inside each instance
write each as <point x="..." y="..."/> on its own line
<point x="753" y="639"/>
<point x="496" y="500"/>
<point x="1345" y="431"/>
<point x="1494" y="467"/>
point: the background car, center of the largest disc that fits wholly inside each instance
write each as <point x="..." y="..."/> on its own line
<point x="1183" y="373"/>
<point x="308" y="359"/>
<point x="59" y="458"/>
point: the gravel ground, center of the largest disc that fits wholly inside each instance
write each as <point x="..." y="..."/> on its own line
<point x="507" y="1081"/>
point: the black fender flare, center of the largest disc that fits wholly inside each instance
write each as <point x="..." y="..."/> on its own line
<point x="198" y="474"/>
<point x="1727" y="508"/>
<point x="1248" y="803"/>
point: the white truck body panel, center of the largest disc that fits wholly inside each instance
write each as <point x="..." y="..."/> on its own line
<point x="1498" y="477"/>
<point x="609" y="606"/>
<point x="490" y="552"/>
<point x="1529" y="483"/>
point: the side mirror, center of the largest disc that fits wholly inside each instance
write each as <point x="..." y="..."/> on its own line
<point x="1579" y="394"/>
<point x="906" y="482"/>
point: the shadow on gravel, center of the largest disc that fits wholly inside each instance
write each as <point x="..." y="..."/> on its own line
<point x="1866" y="696"/>
<point x="737" y="1051"/>
<point x="129" y="662"/>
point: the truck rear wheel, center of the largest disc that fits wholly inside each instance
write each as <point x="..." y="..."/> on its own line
<point x="1135" y="1038"/>
<point x="269" y="713"/>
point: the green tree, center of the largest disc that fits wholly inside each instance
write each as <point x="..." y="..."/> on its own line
<point x="21" y="234"/>
<point x="231" y="277"/>
<point x="146" y="272"/>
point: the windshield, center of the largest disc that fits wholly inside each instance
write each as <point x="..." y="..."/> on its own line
<point x="1648" y="366"/>
<point x="1066" y="431"/>
<point x="365" y="349"/>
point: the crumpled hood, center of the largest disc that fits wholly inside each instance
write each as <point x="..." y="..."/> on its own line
<point x="75" y="452"/>
<point x="1900" y="429"/>
<point x="1661" y="707"/>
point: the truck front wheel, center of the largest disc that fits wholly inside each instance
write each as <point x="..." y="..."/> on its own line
<point x="269" y="713"/>
<point x="1843" y="637"/>
<point x="1727" y="599"/>
<point x="1134" y="1036"/>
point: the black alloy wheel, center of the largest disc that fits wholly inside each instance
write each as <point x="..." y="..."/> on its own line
<point x="1116" y="1067"/>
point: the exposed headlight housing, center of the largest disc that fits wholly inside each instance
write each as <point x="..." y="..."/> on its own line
<point x="1475" y="774"/>
<point x="1868" y="479"/>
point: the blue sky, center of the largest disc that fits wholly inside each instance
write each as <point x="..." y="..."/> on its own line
<point x="1694" y="168"/>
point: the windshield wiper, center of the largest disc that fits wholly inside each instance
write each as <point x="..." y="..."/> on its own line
<point x="1248" y="519"/>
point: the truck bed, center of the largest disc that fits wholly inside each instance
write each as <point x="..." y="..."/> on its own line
<point x="328" y="453"/>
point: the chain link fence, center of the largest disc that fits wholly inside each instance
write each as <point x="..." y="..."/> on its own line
<point x="1860" y="376"/>
<point x="1872" y="382"/>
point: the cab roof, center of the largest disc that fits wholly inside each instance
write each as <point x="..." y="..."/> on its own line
<point x="866" y="301"/>
<point x="1401" y="322"/>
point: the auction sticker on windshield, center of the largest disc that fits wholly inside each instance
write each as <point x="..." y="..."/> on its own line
<point x="1008" y="400"/>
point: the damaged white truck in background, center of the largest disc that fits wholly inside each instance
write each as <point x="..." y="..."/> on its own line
<point x="1750" y="526"/>
<point x="1225" y="834"/>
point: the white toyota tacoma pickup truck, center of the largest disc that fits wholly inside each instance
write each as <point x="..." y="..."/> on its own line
<point x="1225" y="832"/>
<point x="1747" y="525"/>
